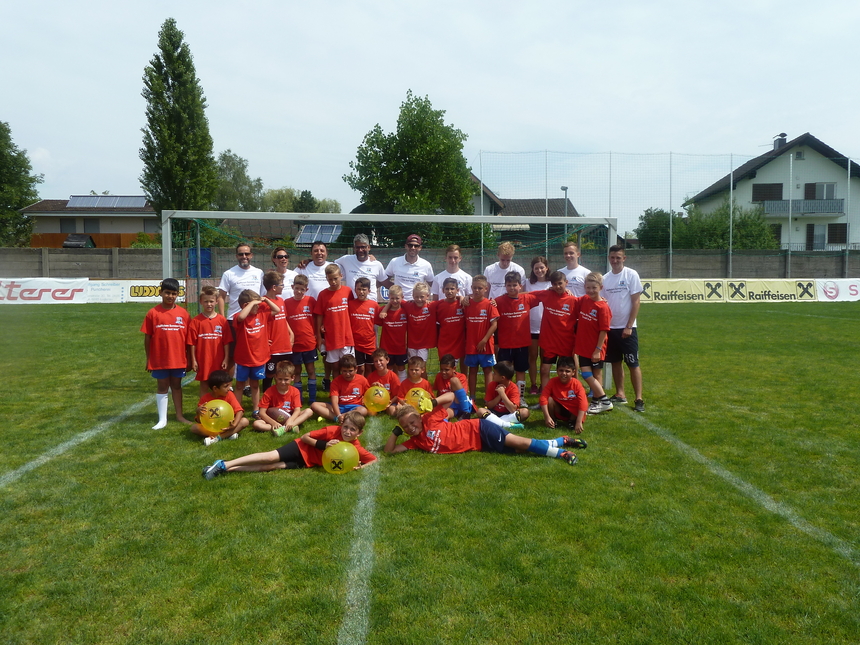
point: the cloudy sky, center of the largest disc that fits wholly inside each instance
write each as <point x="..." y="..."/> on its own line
<point x="293" y="87"/>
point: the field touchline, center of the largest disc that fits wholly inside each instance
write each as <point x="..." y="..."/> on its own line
<point x="785" y="511"/>
<point x="353" y="628"/>
<point x="78" y="439"/>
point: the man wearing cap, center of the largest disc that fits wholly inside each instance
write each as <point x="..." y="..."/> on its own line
<point x="408" y="270"/>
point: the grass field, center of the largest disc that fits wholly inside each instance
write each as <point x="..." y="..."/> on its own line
<point x="727" y="513"/>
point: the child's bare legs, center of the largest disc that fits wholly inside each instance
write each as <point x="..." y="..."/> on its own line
<point x="197" y="429"/>
<point x="255" y="393"/>
<point x="323" y="410"/>
<point x="533" y="356"/>
<point x="295" y="421"/>
<point x="203" y="388"/>
<point x="256" y="463"/>
<point x="488" y="377"/>
<point x="544" y="373"/>
<point x="473" y="379"/>
<point x="176" y="391"/>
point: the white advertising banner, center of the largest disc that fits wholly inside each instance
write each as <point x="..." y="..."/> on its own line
<point x="847" y="290"/>
<point x="29" y="291"/>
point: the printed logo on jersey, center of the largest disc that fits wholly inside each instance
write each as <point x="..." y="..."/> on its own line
<point x="218" y="329"/>
<point x="521" y="307"/>
<point x="565" y="307"/>
<point x="179" y="321"/>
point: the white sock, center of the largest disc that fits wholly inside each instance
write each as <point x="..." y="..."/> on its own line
<point x="401" y="376"/>
<point x="510" y="418"/>
<point x="492" y="418"/>
<point x="522" y="386"/>
<point x="161" y="406"/>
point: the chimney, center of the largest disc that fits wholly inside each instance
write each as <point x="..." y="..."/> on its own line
<point x="779" y="140"/>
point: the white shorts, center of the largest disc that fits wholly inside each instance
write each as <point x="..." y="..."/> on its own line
<point x="334" y="355"/>
<point x="423" y="353"/>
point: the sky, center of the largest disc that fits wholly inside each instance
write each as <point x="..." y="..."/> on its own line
<point x="294" y="87"/>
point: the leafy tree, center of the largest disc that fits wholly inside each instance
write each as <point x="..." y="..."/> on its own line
<point x="750" y="229"/>
<point x="653" y="229"/>
<point x="17" y="190"/>
<point x="328" y="206"/>
<point x="305" y="203"/>
<point x="179" y="170"/>
<point x="236" y="190"/>
<point x="419" y="168"/>
<point x="279" y="200"/>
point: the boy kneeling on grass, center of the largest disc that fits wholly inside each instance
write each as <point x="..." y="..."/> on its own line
<point x="434" y="433"/>
<point x="304" y="452"/>
<point x="220" y="387"/>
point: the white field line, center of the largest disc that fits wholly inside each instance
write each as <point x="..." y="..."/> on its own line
<point x="13" y="476"/>
<point x="838" y="545"/>
<point x="792" y="313"/>
<point x="356" y="613"/>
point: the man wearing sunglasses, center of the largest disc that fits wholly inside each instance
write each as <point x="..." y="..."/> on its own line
<point x="408" y="270"/>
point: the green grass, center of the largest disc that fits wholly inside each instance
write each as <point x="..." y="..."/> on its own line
<point x="119" y="539"/>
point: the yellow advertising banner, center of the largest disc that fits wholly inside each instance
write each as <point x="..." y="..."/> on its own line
<point x="683" y="291"/>
<point x="770" y="290"/>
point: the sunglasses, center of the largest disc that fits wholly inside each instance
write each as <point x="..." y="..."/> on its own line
<point x="241" y="254"/>
<point x="414" y="246"/>
<point x="281" y="257"/>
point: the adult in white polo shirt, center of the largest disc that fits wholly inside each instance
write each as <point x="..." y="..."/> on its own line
<point x="574" y="271"/>
<point x="408" y="270"/>
<point x="359" y="265"/>
<point x="315" y="269"/>
<point x="238" y="278"/>
<point x="452" y="270"/>
<point x="495" y="273"/>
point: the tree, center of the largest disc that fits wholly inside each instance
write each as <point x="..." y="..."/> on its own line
<point x="750" y="229"/>
<point x="279" y="200"/>
<point x="236" y="190"/>
<point x="653" y="229"/>
<point x="305" y="203"/>
<point x="419" y="168"/>
<point x="17" y="190"/>
<point x="179" y="170"/>
<point x="328" y="206"/>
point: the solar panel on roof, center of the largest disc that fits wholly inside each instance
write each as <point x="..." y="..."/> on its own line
<point x="107" y="201"/>
<point x="311" y="233"/>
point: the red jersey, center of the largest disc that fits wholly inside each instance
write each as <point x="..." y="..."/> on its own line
<point x="362" y="318"/>
<point x="556" y="327"/>
<point x="445" y="438"/>
<point x="252" y="339"/>
<point x="594" y="317"/>
<point x="209" y="336"/>
<point x="279" y="330"/>
<point x="479" y="316"/>
<point x="451" y="319"/>
<point x="514" y="329"/>
<point x="512" y="391"/>
<point x="168" y="333"/>
<point x="300" y="317"/>
<point x="349" y="392"/>
<point x="407" y="385"/>
<point x="443" y="385"/>
<point x="420" y="325"/>
<point x="313" y="455"/>
<point x="289" y="402"/>
<point x="231" y="400"/>
<point x="333" y="306"/>
<point x="570" y="396"/>
<point x="390" y="381"/>
<point x="393" y="337"/>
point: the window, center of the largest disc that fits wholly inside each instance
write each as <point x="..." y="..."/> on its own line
<point x="68" y="225"/>
<point x="766" y="192"/>
<point x="91" y="225"/>
<point x="822" y="190"/>
<point x="776" y="229"/>
<point x="798" y="156"/>
<point x="837" y="233"/>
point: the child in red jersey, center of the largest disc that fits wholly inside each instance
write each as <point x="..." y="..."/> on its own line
<point x="300" y="317"/>
<point x="281" y="405"/>
<point x="591" y="332"/>
<point x="415" y="369"/>
<point x="166" y="329"/>
<point x="557" y="324"/>
<point x="362" y="319"/>
<point x="280" y="335"/>
<point x="383" y="376"/>
<point x="347" y="392"/>
<point x="503" y="396"/>
<point x="252" y="343"/>
<point x="433" y="433"/>
<point x="563" y="398"/>
<point x="451" y="318"/>
<point x="304" y="452"/>
<point x="209" y="338"/>
<point x="420" y="322"/>
<point x="450" y="380"/>
<point x="514" y="323"/>
<point x="332" y="318"/>
<point x="393" y="336"/>
<point x="220" y="387"/>
<point x="481" y="321"/>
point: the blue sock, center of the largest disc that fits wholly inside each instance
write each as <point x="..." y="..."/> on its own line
<point x="543" y="447"/>
<point x="298" y="386"/>
<point x="558" y="443"/>
<point x="312" y="390"/>
<point x="462" y="400"/>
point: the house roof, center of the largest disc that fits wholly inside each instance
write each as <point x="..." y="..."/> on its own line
<point x="489" y="193"/>
<point x="537" y="208"/>
<point x="61" y="207"/>
<point x="748" y="170"/>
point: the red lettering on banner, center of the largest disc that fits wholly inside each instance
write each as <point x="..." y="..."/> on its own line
<point x="13" y="291"/>
<point x="56" y="295"/>
<point x="854" y="290"/>
<point x="10" y="286"/>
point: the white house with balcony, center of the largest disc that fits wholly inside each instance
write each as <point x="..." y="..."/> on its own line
<point x="809" y="192"/>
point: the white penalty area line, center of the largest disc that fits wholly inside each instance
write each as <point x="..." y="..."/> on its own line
<point x="14" y="475"/>
<point x="793" y="313"/>
<point x="356" y="614"/>
<point x="838" y="545"/>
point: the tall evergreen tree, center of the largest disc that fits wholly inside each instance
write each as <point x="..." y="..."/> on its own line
<point x="17" y="190"/>
<point x="179" y="170"/>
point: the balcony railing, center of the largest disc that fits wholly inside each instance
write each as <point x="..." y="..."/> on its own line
<point x="805" y="207"/>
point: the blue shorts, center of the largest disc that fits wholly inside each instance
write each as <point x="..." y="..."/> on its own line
<point x="493" y="438"/>
<point x="519" y="356"/>
<point x="348" y="407"/>
<point x="162" y="374"/>
<point x="482" y="360"/>
<point x="303" y="358"/>
<point x="243" y="373"/>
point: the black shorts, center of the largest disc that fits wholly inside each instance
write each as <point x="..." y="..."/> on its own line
<point x="290" y="454"/>
<point x="585" y="361"/>
<point x="363" y="359"/>
<point x="548" y="361"/>
<point x="273" y="361"/>
<point x="519" y="356"/>
<point x="398" y="359"/>
<point x="622" y="349"/>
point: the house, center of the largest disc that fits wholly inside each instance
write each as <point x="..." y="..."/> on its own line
<point x="110" y="220"/>
<point x="806" y="189"/>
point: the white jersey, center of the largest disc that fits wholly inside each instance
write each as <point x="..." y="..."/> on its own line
<point x="352" y="269"/>
<point x="406" y="275"/>
<point x="536" y="313"/>
<point x="617" y="289"/>
<point x="496" y="277"/>
<point x="235" y="280"/>
<point x="316" y="278"/>
<point x="464" y="283"/>
<point x="289" y="277"/>
<point x="576" y="279"/>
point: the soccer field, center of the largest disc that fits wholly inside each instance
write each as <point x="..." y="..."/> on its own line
<point x="726" y="513"/>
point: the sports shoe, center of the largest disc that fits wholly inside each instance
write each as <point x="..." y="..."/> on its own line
<point x="534" y="390"/>
<point x="569" y="457"/>
<point x="280" y="431"/>
<point x="208" y="441"/>
<point x="617" y="399"/>
<point x="515" y="426"/>
<point x="211" y="472"/>
<point x="594" y="408"/>
<point x="605" y="404"/>
<point x="326" y="384"/>
<point x="575" y="442"/>
<point x="535" y="406"/>
<point x="235" y="435"/>
<point x="247" y="391"/>
<point x="639" y="405"/>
